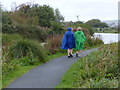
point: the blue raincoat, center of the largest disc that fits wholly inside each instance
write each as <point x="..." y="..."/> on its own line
<point x="68" y="41"/>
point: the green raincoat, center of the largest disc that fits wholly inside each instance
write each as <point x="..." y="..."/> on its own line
<point x="79" y="40"/>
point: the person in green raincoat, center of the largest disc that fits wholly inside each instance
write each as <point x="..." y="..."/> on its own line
<point x="79" y="40"/>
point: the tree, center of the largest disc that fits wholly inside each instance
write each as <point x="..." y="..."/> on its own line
<point x="78" y="22"/>
<point x="102" y="25"/>
<point x="93" y="22"/>
<point x="46" y="16"/>
<point x="96" y="23"/>
<point x="57" y="27"/>
<point x="58" y="16"/>
<point x="44" y="13"/>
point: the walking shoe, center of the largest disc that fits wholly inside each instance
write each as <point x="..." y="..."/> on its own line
<point x="76" y="54"/>
<point x="68" y="56"/>
<point x="71" y="55"/>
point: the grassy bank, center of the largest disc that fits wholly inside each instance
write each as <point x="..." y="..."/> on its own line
<point x="97" y="70"/>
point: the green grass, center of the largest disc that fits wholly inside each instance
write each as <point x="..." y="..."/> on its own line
<point x="49" y="57"/>
<point x="97" y="70"/>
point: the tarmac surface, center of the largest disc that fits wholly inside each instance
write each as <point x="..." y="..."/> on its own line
<point x="47" y="75"/>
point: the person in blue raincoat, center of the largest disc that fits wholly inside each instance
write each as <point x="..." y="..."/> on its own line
<point x="68" y="41"/>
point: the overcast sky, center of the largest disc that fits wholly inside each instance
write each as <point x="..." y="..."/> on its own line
<point x="86" y="9"/>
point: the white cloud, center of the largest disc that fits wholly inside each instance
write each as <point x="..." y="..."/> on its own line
<point x="87" y="9"/>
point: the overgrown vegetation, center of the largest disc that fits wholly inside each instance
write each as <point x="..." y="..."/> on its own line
<point x="87" y="29"/>
<point x="31" y="32"/>
<point x="92" y="41"/>
<point x="17" y="50"/>
<point x="97" y="70"/>
<point x="53" y="44"/>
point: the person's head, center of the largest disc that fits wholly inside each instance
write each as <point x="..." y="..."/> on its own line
<point x="79" y="28"/>
<point x="74" y="30"/>
<point x="69" y="28"/>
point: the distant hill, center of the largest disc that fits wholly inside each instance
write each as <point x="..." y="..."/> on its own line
<point x="111" y="23"/>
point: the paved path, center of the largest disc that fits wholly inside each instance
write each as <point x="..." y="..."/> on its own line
<point x="47" y="75"/>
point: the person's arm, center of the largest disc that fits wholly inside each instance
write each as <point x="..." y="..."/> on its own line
<point x="83" y="36"/>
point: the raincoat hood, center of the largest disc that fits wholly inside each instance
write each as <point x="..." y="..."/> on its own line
<point x="68" y="41"/>
<point x="79" y="40"/>
<point x="69" y="29"/>
<point x="79" y="32"/>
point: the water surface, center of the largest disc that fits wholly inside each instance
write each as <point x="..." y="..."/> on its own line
<point x="108" y="37"/>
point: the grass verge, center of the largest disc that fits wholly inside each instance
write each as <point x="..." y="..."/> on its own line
<point x="97" y="70"/>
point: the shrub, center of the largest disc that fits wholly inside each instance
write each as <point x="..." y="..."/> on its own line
<point x="18" y="51"/>
<point x="18" y="17"/>
<point x="25" y="47"/>
<point x="8" y="39"/>
<point x="84" y="26"/>
<point x="6" y="18"/>
<point x="53" y="43"/>
<point x="92" y="41"/>
<point x="86" y="31"/>
<point x="9" y="29"/>
<point x="57" y="28"/>
<point x="27" y="31"/>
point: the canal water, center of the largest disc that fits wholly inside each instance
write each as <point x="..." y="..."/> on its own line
<point x="108" y="37"/>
